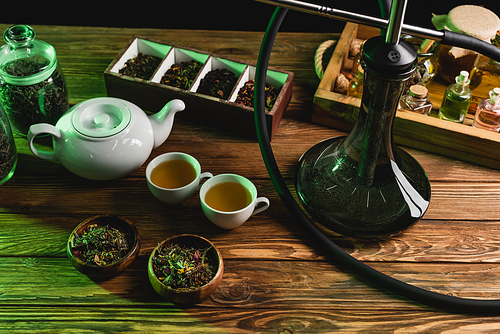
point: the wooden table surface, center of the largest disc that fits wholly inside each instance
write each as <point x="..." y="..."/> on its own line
<point x="275" y="281"/>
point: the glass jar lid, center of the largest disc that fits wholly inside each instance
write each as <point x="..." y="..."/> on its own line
<point x="25" y="60"/>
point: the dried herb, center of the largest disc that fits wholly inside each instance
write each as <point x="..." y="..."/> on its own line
<point x="181" y="267"/>
<point x="141" y="66"/>
<point x="42" y="102"/>
<point x="100" y="245"/>
<point x="246" y="95"/>
<point x="26" y="66"/>
<point x="8" y="151"/>
<point x="218" y="83"/>
<point x="181" y="75"/>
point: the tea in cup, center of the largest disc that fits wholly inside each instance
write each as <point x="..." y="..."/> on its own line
<point x="174" y="177"/>
<point x="228" y="200"/>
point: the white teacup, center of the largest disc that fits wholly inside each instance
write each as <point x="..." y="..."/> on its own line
<point x="231" y="219"/>
<point x="177" y="195"/>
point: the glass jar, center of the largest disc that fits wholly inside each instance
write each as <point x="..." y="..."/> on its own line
<point x="8" y="151"/>
<point x="416" y="100"/>
<point x="449" y="65"/>
<point x="485" y="75"/>
<point x="32" y="85"/>
<point x="472" y="20"/>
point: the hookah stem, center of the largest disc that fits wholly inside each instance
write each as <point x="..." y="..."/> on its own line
<point x="375" y="128"/>
<point x="377" y="100"/>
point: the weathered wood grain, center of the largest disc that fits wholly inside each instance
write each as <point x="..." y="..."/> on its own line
<point x="196" y="320"/>
<point x="246" y="284"/>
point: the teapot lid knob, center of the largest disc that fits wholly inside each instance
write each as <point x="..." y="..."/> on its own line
<point x="101" y="117"/>
<point x="102" y="120"/>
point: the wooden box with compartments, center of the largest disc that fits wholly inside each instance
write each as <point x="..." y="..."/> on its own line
<point x="221" y="110"/>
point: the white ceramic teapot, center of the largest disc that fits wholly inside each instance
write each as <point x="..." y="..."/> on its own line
<point x="105" y="138"/>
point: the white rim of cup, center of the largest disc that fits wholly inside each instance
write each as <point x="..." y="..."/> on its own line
<point x="253" y="191"/>
<point x="161" y="158"/>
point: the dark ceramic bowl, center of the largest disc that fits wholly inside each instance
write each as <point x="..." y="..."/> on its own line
<point x="188" y="296"/>
<point x="94" y="270"/>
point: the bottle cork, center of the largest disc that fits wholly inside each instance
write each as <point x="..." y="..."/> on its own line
<point x="418" y="91"/>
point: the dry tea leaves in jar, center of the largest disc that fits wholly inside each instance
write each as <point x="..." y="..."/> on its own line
<point x="8" y="151"/>
<point x="141" y="66"/>
<point x="32" y="85"/>
<point x="43" y="102"/>
<point x="217" y="83"/>
<point x="246" y="94"/>
<point x="181" y="75"/>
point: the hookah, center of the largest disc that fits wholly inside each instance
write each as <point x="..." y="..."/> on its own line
<point x="362" y="185"/>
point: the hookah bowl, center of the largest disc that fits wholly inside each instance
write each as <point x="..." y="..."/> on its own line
<point x="362" y="185"/>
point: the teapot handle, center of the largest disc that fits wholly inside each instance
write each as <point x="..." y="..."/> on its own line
<point x="37" y="129"/>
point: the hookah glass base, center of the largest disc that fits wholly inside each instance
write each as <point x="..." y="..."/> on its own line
<point x="363" y="185"/>
<point x="326" y="183"/>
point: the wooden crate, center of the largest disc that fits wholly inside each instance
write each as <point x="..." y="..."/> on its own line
<point x="151" y="95"/>
<point x="427" y="133"/>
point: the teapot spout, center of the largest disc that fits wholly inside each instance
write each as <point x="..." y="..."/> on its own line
<point x="163" y="120"/>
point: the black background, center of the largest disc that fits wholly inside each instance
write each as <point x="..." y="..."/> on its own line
<point x="211" y="15"/>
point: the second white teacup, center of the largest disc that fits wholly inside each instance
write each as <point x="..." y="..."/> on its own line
<point x="174" y="177"/>
<point x="228" y="200"/>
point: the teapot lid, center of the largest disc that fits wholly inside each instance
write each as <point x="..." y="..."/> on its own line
<point x="101" y="117"/>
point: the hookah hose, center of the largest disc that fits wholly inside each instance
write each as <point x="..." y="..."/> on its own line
<point x="429" y="298"/>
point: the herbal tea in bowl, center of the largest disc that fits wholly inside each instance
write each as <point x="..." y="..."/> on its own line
<point x="185" y="269"/>
<point x="228" y="200"/>
<point x="103" y="246"/>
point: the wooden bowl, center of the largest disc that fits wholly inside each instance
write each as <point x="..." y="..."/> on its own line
<point x="188" y="296"/>
<point x="94" y="270"/>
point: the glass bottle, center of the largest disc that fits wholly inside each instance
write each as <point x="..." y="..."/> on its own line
<point x="416" y="100"/>
<point x="357" y="61"/>
<point x="32" y="85"/>
<point x="355" y="87"/>
<point x="8" y="151"/>
<point x="426" y="69"/>
<point x="456" y="99"/>
<point x="485" y="75"/>
<point x="488" y="112"/>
